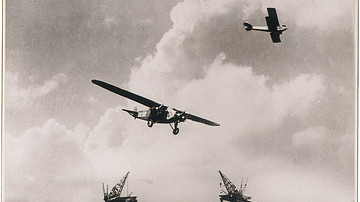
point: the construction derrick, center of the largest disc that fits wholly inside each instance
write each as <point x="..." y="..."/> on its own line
<point x="233" y="194"/>
<point x="115" y="194"/>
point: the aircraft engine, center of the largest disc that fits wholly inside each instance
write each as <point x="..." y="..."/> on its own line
<point x="182" y="116"/>
<point x="169" y="115"/>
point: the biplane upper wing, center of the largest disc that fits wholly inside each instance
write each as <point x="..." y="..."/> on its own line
<point x="272" y="20"/>
<point x="127" y="94"/>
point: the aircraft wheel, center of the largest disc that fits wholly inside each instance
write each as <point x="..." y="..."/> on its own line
<point x="150" y="123"/>
<point x="176" y="131"/>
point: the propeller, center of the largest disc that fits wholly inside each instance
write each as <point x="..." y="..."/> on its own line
<point x="181" y="114"/>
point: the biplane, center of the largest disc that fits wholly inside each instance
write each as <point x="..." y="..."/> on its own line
<point x="157" y="113"/>
<point x="273" y="26"/>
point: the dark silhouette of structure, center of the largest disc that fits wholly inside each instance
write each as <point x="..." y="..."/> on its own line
<point x="115" y="194"/>
<point x="233" y="194"/>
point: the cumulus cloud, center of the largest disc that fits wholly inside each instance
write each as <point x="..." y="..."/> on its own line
<point x="109" y="131"/>
<point x="303" y="92"/>
<point x="44" y="163"/>
<point x="17" y="96"/>
<point x="119" y="142"/>
<point x="161" y="162"/>
<point x="243" y="103"/>
<point x="250" y="106"/>
<point x="199" y="66"/>
<point x="202" y="29"/>
<point x="249" y="101"/>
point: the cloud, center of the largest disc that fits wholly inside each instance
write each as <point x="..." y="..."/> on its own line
<point x="288" y="183"/>
<point x="110" y="130"/>
<point x="311" y="137"/>
<point x="146" y="21"/>
<point x="319" y="14"/>
<point x="201" y="65"/>
<point x="303" y="92"/>
<point x="191" y="70"/>
<point x="320" y="147"/>
<point x="157" y="159"/>
<point x="44" y="163"/>
<point x="58" y="165"/>
<point x="203" y="29"/>
<point x="109" y="21"/>
<point x="245" y="105"/>
<point x="92" y="100"/>
<point x="17" y="96"/>
<point x="249" y="101"/>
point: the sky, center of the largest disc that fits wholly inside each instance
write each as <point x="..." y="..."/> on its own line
<point x="287" y="110"/>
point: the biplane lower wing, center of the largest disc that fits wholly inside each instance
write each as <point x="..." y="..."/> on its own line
<point x="275" y="37"/>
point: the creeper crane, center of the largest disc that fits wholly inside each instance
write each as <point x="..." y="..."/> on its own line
<point x="115" y="193"/>
<point x="233" y="194"/>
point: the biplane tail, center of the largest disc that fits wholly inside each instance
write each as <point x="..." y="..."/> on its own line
<point x="248" y="26"/>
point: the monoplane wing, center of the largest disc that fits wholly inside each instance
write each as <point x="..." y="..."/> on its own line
<point x="275" y="37"/>
<point x="196" y="118"/>
<point x="272" y="20"/>
<point x="201" y="120"/>
<point x="127" y="94"/>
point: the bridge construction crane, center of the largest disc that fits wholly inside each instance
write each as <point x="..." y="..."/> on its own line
<point x="233" y="194"/>
<point x="114" y="195"/>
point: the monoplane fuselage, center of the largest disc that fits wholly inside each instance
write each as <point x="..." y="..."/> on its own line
<point x="158" y="117"/>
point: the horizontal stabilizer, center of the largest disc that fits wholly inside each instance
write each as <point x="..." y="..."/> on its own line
<point x="132" y="113"/>
<point x="247" y="26"/>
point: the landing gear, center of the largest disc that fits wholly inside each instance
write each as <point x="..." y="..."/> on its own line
<point x="176" y="131"/>
<point x="150" y="123"/>
<point x="175" y="128"/>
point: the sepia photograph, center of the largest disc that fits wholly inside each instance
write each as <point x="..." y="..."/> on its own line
<point x="179" y="101"/>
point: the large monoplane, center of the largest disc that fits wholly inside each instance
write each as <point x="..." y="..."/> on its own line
<point x="273" y="26"/>
<point x="157" y="113"/>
